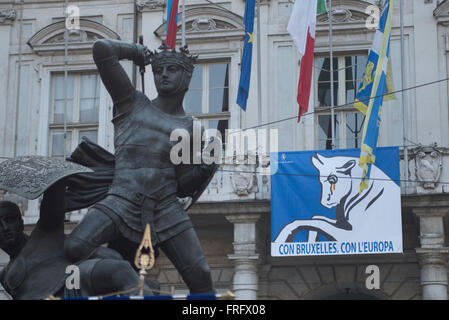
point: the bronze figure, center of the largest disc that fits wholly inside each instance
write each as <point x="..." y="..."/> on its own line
<point x="145" y="183"/>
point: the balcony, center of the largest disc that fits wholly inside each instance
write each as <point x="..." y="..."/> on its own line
<point x="234" y="182"/>
<point x="240" y="180"/>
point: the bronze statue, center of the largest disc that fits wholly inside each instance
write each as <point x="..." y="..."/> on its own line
<point x="37" y="267"/>
<point x="145" y="183"/>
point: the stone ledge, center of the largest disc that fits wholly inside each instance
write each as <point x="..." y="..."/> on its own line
<point x="231" y="207"/>
<point x="438" y="200"/>
<point x="432" y="256"/>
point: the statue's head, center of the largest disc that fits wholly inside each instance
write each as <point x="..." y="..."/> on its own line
<point x="172" y="70"/>
<point x="11" y="224"/>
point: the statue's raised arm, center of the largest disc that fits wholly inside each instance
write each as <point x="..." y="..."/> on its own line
<point x="107" y="54"/>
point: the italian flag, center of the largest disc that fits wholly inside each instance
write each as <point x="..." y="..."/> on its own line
<point x="302" y="27"/>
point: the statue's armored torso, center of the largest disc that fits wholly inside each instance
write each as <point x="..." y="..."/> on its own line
<point x="142" y="147"/>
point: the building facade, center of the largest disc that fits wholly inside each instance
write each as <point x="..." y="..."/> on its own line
<point x="232" y="218"/>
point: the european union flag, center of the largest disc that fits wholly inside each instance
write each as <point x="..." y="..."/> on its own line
<point x="245" y="73"/>
<point x="372" y="89"/>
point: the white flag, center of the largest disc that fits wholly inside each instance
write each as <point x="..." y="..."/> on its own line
<point x="303" y="16"/>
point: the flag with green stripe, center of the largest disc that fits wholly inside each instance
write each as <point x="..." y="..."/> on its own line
<point x="321" y="7"/>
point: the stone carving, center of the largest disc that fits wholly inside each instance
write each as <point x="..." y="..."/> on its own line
<point x="7" y="14"/>
<point x="75" y="36"/>
<point x="152" y="5"/>
<point x="51" y="38"/>
<point x="202" y="24"/>
<point x="428" y="163"/>
<point x="341" y="16"/>
<point x="141" y="3"/>
<point x="208" y="24"/>
<point x="243" y="180"/>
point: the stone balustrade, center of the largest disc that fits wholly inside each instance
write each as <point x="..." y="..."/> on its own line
<point x="242" y="181"/>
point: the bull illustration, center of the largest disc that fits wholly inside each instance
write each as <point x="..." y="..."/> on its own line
<point x="357" y="215"/>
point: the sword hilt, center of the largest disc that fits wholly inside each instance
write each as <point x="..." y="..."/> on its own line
<point x="142" y="68"/>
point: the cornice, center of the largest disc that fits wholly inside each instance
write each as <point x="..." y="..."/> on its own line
<point x="50" y="39"/>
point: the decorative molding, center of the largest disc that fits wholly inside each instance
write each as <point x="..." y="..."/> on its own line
<point x="432" y="256"/>
<point x="243" y="218"/>
<point x="346" y="11"/>
<point x="51" y="38"/>
<point x="442" y="9"/>
<point x="77" y="36"/>
<point x="208" y="22"/>
<point x="30" y="176"/>
<point x="203" y="24"/>
<point x="144" y="5"/>
<point x="7" y="14"/>
<point x="431" y="211"/>
<point x="426" y="202"/>
<point x="431" y="240"/>
<point x="342" y="16"/>
<point x="243" y="181"/>
<point x="428" y="165"/>
<point x="441" y="13"/>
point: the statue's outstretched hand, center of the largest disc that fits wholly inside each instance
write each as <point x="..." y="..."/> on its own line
<point x="144" y="55"/>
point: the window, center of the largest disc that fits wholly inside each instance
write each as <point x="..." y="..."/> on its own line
<point x="208" y="95"/>
<point x="83" y="96"/>
<point x="348" y="122"/>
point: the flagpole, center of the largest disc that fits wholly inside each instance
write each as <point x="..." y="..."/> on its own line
<point x="332" y="75"/>
<point x="404" y="97"/>
<point x="259" y="76"/>
<point x="183" y="28"/>
<point x="66" y="48"/>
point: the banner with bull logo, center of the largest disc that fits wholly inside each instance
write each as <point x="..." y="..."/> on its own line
<point x="317" y="207"/>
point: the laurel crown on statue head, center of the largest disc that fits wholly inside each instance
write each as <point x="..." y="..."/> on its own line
<point x="181" y="58"/>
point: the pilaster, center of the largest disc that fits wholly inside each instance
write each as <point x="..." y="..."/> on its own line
<point x="433" y="254"/>
<point x="7" y="16"/>
<point x="245" y="282"/>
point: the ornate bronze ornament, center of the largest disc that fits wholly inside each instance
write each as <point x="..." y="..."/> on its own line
<point x="144" y="259"/>
<point x="30" y="176"/>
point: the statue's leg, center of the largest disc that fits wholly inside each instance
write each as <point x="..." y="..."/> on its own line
<point x="185" y="252"/>
<point x="94" y="230"/>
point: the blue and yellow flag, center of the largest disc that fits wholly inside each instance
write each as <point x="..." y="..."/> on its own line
<point x="245" y="73"/>
<point x="372" y="89"/>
